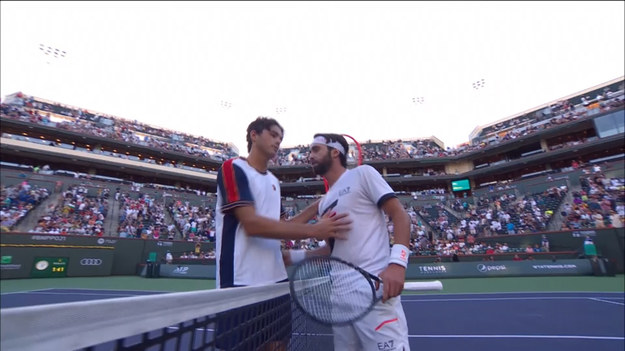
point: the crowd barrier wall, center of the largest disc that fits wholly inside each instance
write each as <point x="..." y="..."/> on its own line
<point x="101" y="256"/>
<point x="113" y="255"/>
<point x="499" y="269"/>
<point x="610" y="242"/>
<point x="423" y="271"/>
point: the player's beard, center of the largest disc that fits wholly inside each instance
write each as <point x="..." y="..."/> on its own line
<point x="323" y="166"/>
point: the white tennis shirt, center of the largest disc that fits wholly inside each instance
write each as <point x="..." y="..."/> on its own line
<point x="243" y="259"/>
<point x="360" y="192"/>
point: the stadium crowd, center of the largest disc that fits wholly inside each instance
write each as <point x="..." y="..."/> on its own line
<point x="17" y="201"/>
<point x="555" y="115"/>
<point x="600" y="204"/>
<point x="142" y="218"/>
<point x="77" y="213"/>
<point x="435" y="228"/>
<point x="493" y="215"/>
<point x="27" y="109"/>
<point x="194" y="222"/>
<point x="80" y="121"/>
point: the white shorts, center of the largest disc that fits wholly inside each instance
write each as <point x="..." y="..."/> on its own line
<point x="383" y="329"/>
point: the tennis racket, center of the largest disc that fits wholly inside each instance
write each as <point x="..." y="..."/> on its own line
<point x="335" y="292"/>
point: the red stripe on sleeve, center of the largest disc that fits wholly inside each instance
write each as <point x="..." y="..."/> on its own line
<point x="230" y="182"/>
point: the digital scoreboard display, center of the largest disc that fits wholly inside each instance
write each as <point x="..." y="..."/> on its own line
<point x="49" y="267"/>
<point x="460" y="185"/>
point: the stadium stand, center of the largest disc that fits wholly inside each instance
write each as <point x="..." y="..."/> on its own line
<point x="528" y="174"/>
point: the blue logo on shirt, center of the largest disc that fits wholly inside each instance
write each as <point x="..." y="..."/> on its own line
<point x="344" y="191"/>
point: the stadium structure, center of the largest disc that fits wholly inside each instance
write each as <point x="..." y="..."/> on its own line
<point x="586" y="127"/>
<point x="547" y="154"/>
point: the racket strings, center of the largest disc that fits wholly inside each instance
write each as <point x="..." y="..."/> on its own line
<point x="332" y="292"/>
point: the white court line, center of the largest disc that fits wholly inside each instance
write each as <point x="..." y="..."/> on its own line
<point x="26" y="291"/>
<point x="81" y="293"/>
<point x="587" y="337"/>
<point x="606" y="301"/>
<point x="84" y="289"/>
<point x="505" y="299"/>
<point x="93" y="289"/>
<point x="523" y="292"/>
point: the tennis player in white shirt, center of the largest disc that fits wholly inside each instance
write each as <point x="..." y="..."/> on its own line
<point x="248" y="233"/>
<point x="365" y="196"/>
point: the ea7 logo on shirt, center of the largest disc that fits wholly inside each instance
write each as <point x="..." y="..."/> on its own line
<point x="344" y="191"/>
<point x="387" y="345"/>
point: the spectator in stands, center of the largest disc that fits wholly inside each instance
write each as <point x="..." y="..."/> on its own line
<point x="510" y="228"/>
<point x="544" y="243"/>
<point x="17" y="201"/>
<point x="590" y="250"/>
<point x="505" y="248"/>
<point x="616" y="221"/>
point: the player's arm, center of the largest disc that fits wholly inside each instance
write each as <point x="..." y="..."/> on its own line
<point x="325" y="228"/>
<point x="395" y="274"/>
<point x="307" y="214"/>
<point x="291" y="257"/>
<point x="401" y="220"/>
<point x="237" y="198"/>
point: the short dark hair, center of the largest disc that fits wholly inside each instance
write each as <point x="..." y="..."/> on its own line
<point x="330" y="137"/>
<point x="258" y="125"/>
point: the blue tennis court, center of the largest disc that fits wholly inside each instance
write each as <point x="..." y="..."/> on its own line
<point x="572" y="321"/>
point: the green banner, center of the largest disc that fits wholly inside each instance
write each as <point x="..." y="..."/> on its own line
<point x="184" y="271"/>
<point x="498" y="269"/>
<point x="48" y="267"/>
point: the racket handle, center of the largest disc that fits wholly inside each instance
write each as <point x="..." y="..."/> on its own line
<point x="423" y="286"/>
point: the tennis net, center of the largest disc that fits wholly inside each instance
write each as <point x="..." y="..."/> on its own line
<point x="246" y="318"/>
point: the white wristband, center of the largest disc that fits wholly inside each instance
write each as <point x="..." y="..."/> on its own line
<point x="297" y="256"/>
<point x="399" y="255"/>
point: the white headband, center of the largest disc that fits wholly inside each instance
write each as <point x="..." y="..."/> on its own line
<point x="335" y="144"/>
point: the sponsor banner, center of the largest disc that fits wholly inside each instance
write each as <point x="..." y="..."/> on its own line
<point x="91" y="263"/>
<point x="583" y="233"/>
<point x="184" y="271"/>
<point x="102" y="241"/>
<point x="495" y="269"/>
<point x="7" y="264"/>
<point x="48" y="237"/>
<point x="46" y="267"/>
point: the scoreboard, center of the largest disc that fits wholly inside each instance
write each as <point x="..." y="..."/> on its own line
<point x="49" y="267"/>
